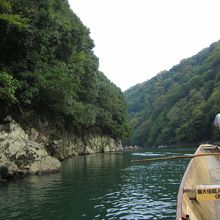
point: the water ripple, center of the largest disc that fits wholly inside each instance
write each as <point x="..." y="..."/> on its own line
<point x="102" y="186"/>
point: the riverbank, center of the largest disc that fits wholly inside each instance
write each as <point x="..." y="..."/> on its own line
<point x="31" y="152"/>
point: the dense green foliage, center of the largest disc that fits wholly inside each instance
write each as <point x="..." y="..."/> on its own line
<point x="179" y="105"/>
<point x="48" y="68"/>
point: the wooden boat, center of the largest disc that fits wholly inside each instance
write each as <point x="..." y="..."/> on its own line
<point x="199" y="192"/>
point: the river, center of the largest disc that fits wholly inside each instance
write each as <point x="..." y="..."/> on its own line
<point x="99" y="186"/>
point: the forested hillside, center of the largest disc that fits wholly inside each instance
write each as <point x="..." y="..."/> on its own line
<point x="48" y="70"/>
<point x="179" y="105"/>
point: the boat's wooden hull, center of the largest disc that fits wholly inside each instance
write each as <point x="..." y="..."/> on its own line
<point x="204" y="170"/>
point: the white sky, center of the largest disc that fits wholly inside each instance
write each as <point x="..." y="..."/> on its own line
<point x="136" y="39"/>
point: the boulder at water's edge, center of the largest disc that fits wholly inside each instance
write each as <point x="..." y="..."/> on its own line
<point x="20" y="156"/>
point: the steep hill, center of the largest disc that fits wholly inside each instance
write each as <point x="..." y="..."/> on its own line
<point x="49" y="73"/>
<point x="179" y="105"/>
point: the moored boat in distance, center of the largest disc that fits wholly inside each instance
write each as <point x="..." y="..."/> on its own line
<point x="199" y="192"/>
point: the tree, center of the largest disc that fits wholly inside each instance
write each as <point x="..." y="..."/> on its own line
<point x="48" y="70"/>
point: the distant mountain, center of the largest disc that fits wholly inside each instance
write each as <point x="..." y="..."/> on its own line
<point x="179" y="105"/>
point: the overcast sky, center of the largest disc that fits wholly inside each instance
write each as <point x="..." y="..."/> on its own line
<point x="136" y="39"/>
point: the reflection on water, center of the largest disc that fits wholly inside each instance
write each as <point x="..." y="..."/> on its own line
<point x="101" y="186"/>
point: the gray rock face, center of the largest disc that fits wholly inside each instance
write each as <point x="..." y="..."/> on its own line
<point x="62" y="143"/>
<point x="19" y="155"/>
<point x="36" y="152"/>
<point x="89" y="144"/>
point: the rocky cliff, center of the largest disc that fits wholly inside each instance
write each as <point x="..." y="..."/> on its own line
<point x="89" y="144"/>
<point x="32" y="152"/>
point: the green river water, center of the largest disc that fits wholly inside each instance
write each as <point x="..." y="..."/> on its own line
<point x="100" y="186"/>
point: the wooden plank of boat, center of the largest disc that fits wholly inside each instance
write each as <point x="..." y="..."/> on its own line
<point x="198" y="197"/>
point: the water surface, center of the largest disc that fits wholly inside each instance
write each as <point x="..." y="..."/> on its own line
<point x="100" y="186"/>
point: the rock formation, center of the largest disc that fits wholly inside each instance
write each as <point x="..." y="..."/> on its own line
<point x="32" y="152"/>
<point x="89" y="144"/>
<point x="20" y="156"/>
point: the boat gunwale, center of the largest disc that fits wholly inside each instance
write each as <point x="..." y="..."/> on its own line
<point x="179" y="211"/>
